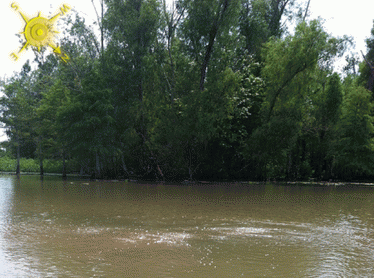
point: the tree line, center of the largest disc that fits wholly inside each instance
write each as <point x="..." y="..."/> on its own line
<point x="206" y="89"/>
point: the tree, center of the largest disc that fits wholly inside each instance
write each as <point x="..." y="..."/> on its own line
<point x="88" y="118"/>
<point x="207" y="21"/>
<point x="352" y="62"/>
<point x="17" y="110"/>
<point x="355" y="156"/>
<point x="55" y="99"/>
<point x="289" y="65"/>
<point x="366" y="69"/>
<point x="260" y="20"/>
<point x="133" y="28"/>
<point x="208" y="89"/>
<point x="327" y="116"/>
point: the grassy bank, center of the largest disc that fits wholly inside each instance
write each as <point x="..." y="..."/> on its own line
<point x="32" y="165"/>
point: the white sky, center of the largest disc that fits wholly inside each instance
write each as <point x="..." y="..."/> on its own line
<point x="354" y="18"/>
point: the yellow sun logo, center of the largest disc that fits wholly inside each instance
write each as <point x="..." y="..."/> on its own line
<point x="39" y="32"/>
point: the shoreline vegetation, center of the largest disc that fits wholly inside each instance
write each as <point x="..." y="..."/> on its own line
<point x="137" y="101"/>
<point x="29" y="165"/>
<point x="199" y="183"/>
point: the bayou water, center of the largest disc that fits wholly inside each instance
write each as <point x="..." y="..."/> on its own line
<point x="78" y="228"/>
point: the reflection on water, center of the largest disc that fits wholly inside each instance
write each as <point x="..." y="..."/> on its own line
<point x="85" y="229"/>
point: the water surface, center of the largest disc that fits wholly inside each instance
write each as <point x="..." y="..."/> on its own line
<point x="104" y="229"/>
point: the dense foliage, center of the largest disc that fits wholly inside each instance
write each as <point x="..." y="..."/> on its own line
<point x="207" y="89"/>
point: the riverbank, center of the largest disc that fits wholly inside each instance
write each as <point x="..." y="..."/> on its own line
<point x="196" y="182"/>
<point x="342" y="183"/>
<point x="246" y="183"/>
<point x="45" y="174"/>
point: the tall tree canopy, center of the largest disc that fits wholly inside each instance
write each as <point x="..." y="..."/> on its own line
<point x="208" y="89"/>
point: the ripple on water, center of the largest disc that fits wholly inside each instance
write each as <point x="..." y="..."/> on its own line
<point x="116" y="239"/>
<point x="168" y="238"/>
<point x="221" y="233"/>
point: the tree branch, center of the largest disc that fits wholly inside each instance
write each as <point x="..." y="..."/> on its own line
<point x="371" y="78"/>
<point x="212" y="38"/>
<point x="306" y="11"/>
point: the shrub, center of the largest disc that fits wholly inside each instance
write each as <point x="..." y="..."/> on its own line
<point x="7" y="164"/>
<point x="29" y="165"/>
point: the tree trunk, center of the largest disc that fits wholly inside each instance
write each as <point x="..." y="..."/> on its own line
<point x="289" y="166"/>
<point x="97" y="168"/>
<point x="18" y="156"/>
<point x="102" y="35"/>
<point x="124" y="166"/>
<point x="264" y="173"/>
<point x="159" y="170"/>
<point x="278" y="7"/>
<point x="170" y="35"/>
<point x="321" y="154"/>
<point x="306" y="11"/>
<point x="370" y="83"/>
<point x="63" y="164"/>
<point x="212" y="38"/>
<point x="280" y="89"/>
<point x="41" y="168"/>
<point x="260" y="169"/>
<point x="189" y="147"/>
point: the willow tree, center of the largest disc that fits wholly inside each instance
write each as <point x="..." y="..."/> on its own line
<point x="366" y="77"/>
<point x="328" y="112"/>
<point x="262" y="19"/>
<point x="355" y="146"/>
<point x="288" y="64"/>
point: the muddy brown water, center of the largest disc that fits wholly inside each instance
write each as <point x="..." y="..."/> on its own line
<point x="77" y="228"/>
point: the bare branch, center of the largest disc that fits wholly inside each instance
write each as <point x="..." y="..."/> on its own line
<point x="367" y="62"/>
<point x="306" y="11"/>
<point x="371" y="78"/>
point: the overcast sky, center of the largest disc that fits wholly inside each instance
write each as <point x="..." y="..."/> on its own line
<point x="353" y="18"/>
